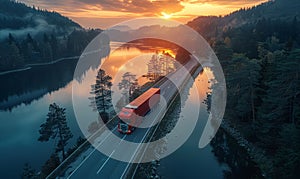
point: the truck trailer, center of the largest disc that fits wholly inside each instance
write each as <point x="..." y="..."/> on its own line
<point x="132" y="114"/>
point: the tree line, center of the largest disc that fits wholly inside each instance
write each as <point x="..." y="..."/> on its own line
<point x="261" y="63"/>
<point x="17" y="15"/>
<point x="17" y="52"/>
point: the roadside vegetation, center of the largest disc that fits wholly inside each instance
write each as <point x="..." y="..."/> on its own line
<point x="55" y="128"/>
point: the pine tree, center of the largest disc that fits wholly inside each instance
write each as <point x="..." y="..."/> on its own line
<point x="224" y="53"/>
<point x="54" y="46"/>
<point x="28" y="172"/>
<point x="280" y="102"/>
<point x="292" y="80"/>
<point x="287" y="158"/>
<point x="242" y="87"/>
<point x="128" y="85"/>
<point x="13" y="56"/>
<point x="102" y="92"/>
<point x="11" y="38"/>
<point x="283" y="88"/>
<point x="50" y="165"/>
<point x="128" y="82"/>
<point x="56" y="127"/>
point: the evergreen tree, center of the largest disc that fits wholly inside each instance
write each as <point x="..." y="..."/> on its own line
<point x="13" y="57"/>
<point x="28" y="172"/>
<point x="292" y="80"/>
<point x="281" y="100"/>
<point x="11" y="39"/>
<point x="47" y="52"/>
<point x="102" y="92"/>
<point x="283" y="84"/>
<point x="54" y="46"/>
<point x="28" y="47"/>
<point x="45" y="38"/>
<point x="50" y="165"/>
<point x="287" y="158"/>
<point x="224" y="54"/>
<point x="242" y="85"/>
<point x="56" y="127"/>
<point x="128" y="85"/>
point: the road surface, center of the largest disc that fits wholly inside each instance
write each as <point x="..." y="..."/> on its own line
<point x="98" y="165"/>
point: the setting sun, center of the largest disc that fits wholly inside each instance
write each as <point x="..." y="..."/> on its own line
<point x="165" y="15"/>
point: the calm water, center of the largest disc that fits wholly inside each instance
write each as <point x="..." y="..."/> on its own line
<point x="25" y="98"/>
<point x="189" y="161"/>
<point x="223" y="158"/>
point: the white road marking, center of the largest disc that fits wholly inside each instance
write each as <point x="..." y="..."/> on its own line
<point x="91" y="153"/>
<point x="146" y="134"/>
<point x="110" y="156"/>
<point x="122" y="176"/>
<point x="105" y="162"/>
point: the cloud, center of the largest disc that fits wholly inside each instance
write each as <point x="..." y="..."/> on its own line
<point x="231" y="3"/>
<point x="109" y="11"/>
<point x="141" y="7"/>
<point x="138" y="6"/>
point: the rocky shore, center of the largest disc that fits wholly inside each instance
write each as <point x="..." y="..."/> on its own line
<point x="256" y="154"/>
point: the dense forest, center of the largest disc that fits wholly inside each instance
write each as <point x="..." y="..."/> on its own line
<point x="30" y="35"/>
<point x="261" y="62"/>
<point x="27" y="50"/>
<point x="18" y="16"/>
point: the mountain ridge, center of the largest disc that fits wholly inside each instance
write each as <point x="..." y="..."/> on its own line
<point x="19" y="19"/>
<point x="271" y="10"/>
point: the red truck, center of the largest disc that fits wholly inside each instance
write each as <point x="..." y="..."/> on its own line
<point x="131" y="115"/>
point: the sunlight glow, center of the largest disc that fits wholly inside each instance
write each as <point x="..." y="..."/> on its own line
<point x="95" y="16"/>
<point x="165" y="15"/>
<point x="169" y="52"/>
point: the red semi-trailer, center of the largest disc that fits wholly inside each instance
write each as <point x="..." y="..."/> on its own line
<point x="132" y="114"/>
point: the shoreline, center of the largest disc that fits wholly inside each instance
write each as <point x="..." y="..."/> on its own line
<point x="256" y="154"/>
<point x="31" y="65"/>
<point x="16" y="70"/>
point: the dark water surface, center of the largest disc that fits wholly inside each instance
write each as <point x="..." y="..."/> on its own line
<point x="24" y="100"/>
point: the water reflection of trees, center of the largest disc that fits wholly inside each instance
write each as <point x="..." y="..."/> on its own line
<point x="91" y="58"/>
<point x="43" y="80"/>
<point x="151" y="44"/>
<point x="159" y="65"/>
<point x="128" y="86"/>
<point x="165" y="127"/>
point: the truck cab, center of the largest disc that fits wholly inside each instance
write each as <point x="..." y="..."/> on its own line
<point x="132" y="114"/>
<point x="126" y="116"/>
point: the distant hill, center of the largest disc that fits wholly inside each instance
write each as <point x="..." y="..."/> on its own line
<point x="19" y="19"/>
<point x="275" y="9"/>
<point x="122" y="28"/>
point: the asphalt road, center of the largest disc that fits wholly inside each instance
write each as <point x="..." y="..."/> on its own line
<point x="99" y="165"/>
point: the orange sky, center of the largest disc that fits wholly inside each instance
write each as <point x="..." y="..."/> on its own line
<point x="106" y="13"/>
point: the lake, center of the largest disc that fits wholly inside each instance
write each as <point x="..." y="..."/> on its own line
<point x="25" y="97"/>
